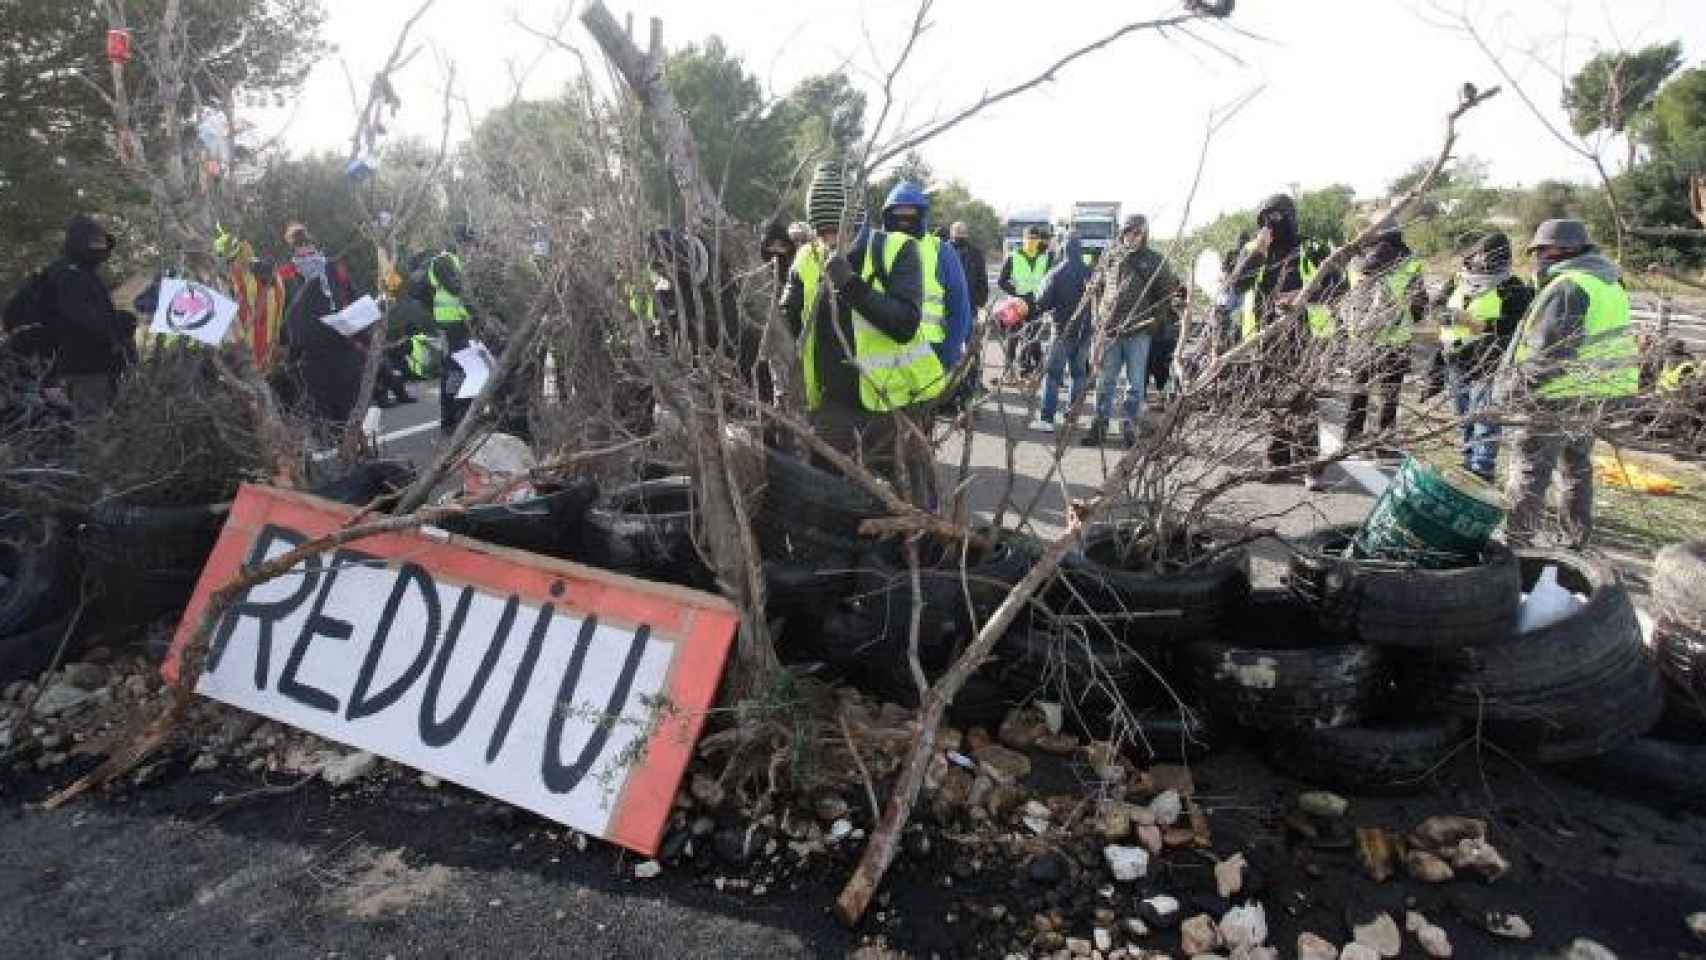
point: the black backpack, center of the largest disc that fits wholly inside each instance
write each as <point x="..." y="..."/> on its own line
<point x="29" y="315"/>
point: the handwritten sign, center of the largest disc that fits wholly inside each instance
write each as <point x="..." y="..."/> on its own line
<point x="570" y="691"/>
<point x="189" y="309"/>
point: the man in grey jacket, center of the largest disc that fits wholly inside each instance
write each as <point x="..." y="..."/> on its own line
<point x="1132" y="291"/>
<point x="1573" y="358"/>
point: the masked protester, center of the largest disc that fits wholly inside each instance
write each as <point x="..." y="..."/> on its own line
<point x="777" y="249"/>
<point x="1271" y="273"/>
<point x="947" y="305"/>
<point x="438" y="285"/>
<point x="1479" y="310"/>
<point x="326" y="365"/>
<point x="1022" y="276"/>
<point x="1387" y="299"/>
<point x="64" y="318"/>
<point x="1133" y="290"/>
<point x="864" y="358"/>
<point x="1062" y="299"/>
<point x="1572" y="360"/>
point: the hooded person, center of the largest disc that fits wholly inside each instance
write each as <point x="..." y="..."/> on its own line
<point x="1387" y="299"/>
<point x="1479" y="310"/>
<point x="1270" y="274"/>
<point x="777" y="248"/>
<point x="438" y="284"/>
<point x="1062" y="299"/>
<point x="326" y="365"/>
<point x="1132" y="290"/>
<point x="1573" y="358"/>
<point x="85" y="340"/>
<point x="972" y="263"/>
<point x="864" y="359"/>
<point x="947" y="303"/>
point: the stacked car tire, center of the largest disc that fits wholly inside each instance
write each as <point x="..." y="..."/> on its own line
<point x="1679" y="637"/>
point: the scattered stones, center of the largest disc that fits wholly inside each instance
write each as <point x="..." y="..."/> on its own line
<point x="1359" y="951"/>
<point x="706" y="791"/>
<point x="1078" y="947"/>
<point x="1427" y="868"/>
<point x="1314" y="947"/>
<point x="1005" y="766"/>
<point x="1047" y="868"/>
<point x="840" y="830"/>
<point x="1443" y="833"/>
<point x="348" y="768"/>
<point x="1198" y="935"/>
<point x="1127" y="863"/>
<point x="1104" y="939"/>
<point x="1508" y="925"/>
<point x="1320" y="803"/>
<point x="1582" y="948"/>
<point x="1150" y="836"/>
<point x="204" y="762"/>
<point x="1696" y="923"/>
<point x="86" y="676"/>
<point x="1171" y="776"/>
<point x="1380" y="934"/>
<point x="647" y="870"/>
<point x="1479" y="858"/>
<point x="1245" y="927"/>
<point x="1434" y="941"/>
<point x="1229" y="876"/>
<point x="1023" y="727"/>
<point x="830" y="808"/>
<point x="1059" y="744"/>
<point x="1374" y="852"/>
<point x="62" y="698"/>
<point x="1167" y="807"/>
<point x="430" y="782"/>
<point x="1161" y="912"/>
<point x="1135" y="927"/>
<point x="1113" y="821"/>
<point x="955" y="790"/>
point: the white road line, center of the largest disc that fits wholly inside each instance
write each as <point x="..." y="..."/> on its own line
<point x="1371" y="478"/>
<point x="324" y="455"/>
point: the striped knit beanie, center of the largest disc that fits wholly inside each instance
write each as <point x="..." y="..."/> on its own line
<point x="826" y="197"/>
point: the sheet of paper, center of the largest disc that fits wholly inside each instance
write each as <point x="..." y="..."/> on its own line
<point x="354" y="318"/>
<point x="476" y="363"/>
<point x="189" y="309"/>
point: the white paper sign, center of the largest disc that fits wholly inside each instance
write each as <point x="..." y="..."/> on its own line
<point x="354" y="318"/>
<point x="476" y="363"/>
<point x="189" y="309"/>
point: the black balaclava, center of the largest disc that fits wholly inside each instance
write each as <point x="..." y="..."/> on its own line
<point x="1491" y="254"/>
<point x="1280" y="212"/>
<point x="777" y="249"/>
<point x="87" y="243"/>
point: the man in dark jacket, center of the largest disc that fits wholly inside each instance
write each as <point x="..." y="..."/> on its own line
<point x="972" y="259"/>
<point x="89" y="341"/>
<point x="856" y="399"/>
<point x="1062" y="298"/>
<point x="1387" y="299"/>
<point x="1480" y="309"/>
<point x="1133" y="290"/>
<point x="326" y="364"/>
<point x="1271" y="273"/>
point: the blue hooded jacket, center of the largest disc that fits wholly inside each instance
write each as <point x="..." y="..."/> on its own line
<point x="956" y="296"/>
<point x="1062" y="289"/>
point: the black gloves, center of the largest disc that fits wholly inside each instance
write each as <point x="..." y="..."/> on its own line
<point x="839" y="271"/>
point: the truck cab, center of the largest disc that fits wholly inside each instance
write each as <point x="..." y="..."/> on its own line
<point x="1097" y="223"/>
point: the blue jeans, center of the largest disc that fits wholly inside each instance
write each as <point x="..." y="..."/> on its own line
<point x="1130" y="354"/>
<point x="1480" y="441"/>
<point x="1066" y="352"/>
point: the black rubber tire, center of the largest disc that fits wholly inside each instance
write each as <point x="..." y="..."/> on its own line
<point x="1666" y="776"/>
<point x="25" y="654"/>
<point x="1380" y="759"/>
<point x="1395" y="605"/>
<point x="883" y="588"/>
<point x="147" y="559"/>
<point x="367" y="482"/>
<point x="38" y="573"/>
<point x="1681" y="656"/>
<point x="1081" y="670"/>
<point x="550" y="524"/>
<point x="797" y="494"/>
<point x="798" y="544"/>
<point x="1679" y="582"/>
<point x="1274" y="670"/>
<point x="1571" y="690"/>
<point x="802" y="588"/>
<point x="1206" y="595"/>
<point x="646" y="529"/>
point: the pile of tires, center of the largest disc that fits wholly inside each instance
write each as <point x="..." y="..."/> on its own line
<point x="146" y="559"/>
<point x="1574" y="689"/>
<point x="39" y="593"/>
<point x="1679" y="637"/>
<point x="647" y="530"/>
<point x="551" y="523"/>
<point x="807" y="524"/>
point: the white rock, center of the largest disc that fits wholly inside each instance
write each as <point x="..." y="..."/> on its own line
<point x="840" y="830"/>
<point x="61" y="698"/>
<point x="204" y="762"/>
<point x="1167" y="807"/>
<point x="647" y="870"/>
<point x="1480" y="858"/>
<point x="1697" y="924"/>
<point x="1229" y="876"/>
<point x="1434" y="941"/>
<point x="1257" y="953"/>
<point x="1359" y="951"/>
<point x="1312" y="946"/>
<point x="1509" y="925"/>
<point x="349" y="768"/>
<point x="430" y="782"/>
<point x="1127" y="863"/>
<point x="1320" y="803"/>
<point x="1037" y="825"/>
<point x="1582" y="948"/>
<point x="1381" y="934"/>
<point x="1244" y="927"/>
<point x="1135" y="927"/>
<point x="1078" y="946"/>
<point x="1414" y="921"/>
<point x="1103" y="939"/>
<point x="1198" y="934"/>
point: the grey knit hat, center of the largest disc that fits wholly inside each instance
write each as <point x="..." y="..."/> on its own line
<point x="827" y="196"/>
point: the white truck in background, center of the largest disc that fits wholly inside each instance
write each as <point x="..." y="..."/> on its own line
<point x="1013" y="231"/>
<point x="1096" y="222"/>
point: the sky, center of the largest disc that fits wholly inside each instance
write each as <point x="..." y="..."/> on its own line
<point x="1345" y="91"/>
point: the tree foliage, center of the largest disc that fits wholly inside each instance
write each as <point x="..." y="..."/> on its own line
<point x="1610" y="91"/>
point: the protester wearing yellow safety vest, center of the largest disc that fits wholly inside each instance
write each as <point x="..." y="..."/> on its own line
<point x="1573" y="357"/>
<point x="1478" y="311"/>
<point x="259" y="291"/>
<point x="438" y="285"/>
<point x="1022" y="276"/>
<point x="864" y="359"/>
<point x="1269" y="277"/>
<point x="1387" y="299"/>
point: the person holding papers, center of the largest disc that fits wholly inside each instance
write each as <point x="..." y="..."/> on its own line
<point x="321" y="362"/>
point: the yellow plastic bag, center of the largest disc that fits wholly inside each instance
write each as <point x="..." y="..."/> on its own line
<point x="1633" y="476"/>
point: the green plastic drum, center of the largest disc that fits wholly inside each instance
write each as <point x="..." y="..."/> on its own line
<point x="1433" y="516"/>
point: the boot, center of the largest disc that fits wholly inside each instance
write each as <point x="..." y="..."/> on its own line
<point x="1098" y="431"/>
<point x="1128" y="433"/>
